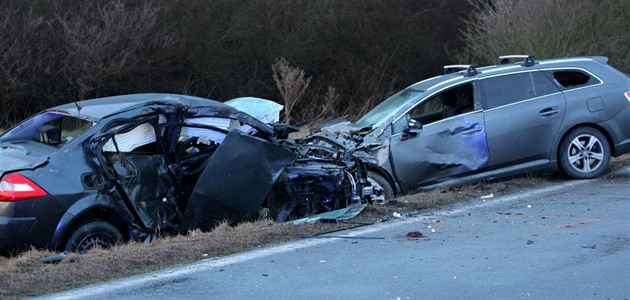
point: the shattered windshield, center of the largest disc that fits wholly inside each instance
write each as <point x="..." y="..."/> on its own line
<point x="381" y="113"/>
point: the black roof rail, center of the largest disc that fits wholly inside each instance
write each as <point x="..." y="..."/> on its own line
<point x="528" y="60"/>
<point x="470" y="69"/>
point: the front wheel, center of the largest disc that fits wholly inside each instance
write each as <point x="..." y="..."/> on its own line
<point x="95" y="233"/>
<point x="584" y="153"/>
<point x="378" y="181"/>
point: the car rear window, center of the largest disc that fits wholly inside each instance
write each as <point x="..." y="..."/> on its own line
<point x="52" y="128"/>
<point x="570" y="79"/>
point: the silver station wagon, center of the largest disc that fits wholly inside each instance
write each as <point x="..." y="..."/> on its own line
<point x="471" y="124"/>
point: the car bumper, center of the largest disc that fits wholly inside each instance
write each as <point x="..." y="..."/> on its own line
<point x="14" y="232"/>
<point x="28" y="223"/>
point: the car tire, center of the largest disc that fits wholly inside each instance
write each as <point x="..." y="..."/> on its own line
<point x="378" y="180"/>
<point x="91" y="234"/>
<point x="584" y="153"/>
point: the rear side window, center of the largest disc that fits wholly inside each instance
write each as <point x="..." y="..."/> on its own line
<point x="512" y="88"/>
<point x="570" y="79"/>
<point x="52" y="128"/>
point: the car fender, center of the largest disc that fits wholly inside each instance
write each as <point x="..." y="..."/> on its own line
<point x="78" y="211"/>
<point x="385" y="173"/>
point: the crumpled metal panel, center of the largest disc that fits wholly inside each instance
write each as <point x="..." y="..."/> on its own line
<point x="443" y="150"/>
<point x="241" y="161"/>
<point x="459" y="145"/>
<point x="148" y="185"/>
<point x="309" y="187"/>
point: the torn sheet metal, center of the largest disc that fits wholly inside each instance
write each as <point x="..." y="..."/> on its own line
<point x="309" y="187"/>
<point x="335" y="215"/>
<point x="149" y="186"/>
<point x="235" y="181"/>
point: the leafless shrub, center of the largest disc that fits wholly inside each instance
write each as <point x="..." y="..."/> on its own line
<point x="52" y="51"/>
<point x="319" y="111"/>
<point x="291" y="83"/>
<point x="21" y="30"/>
<point x="553" y="28"/>
<point x="112" y="39"/>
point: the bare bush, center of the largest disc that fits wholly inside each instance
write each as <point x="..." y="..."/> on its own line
<point x="553" y="28"/>
<point x="365" y="49"/>
<point x="291" y="83"/>
<point x="112" y="39"/>
<point x="52" y="52"/>
<point x="21" y="58"/>
<point x="222" y="49"/>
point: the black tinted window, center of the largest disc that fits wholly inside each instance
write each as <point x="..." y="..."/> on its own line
<point x="569" y="79"/>
<point x="507" y="89"/>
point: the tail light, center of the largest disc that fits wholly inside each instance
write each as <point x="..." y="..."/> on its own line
<point x="15" y="187"/>
<point x="627" y="95"/>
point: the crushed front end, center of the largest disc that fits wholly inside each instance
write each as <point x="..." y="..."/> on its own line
<point x="321" y="179"/>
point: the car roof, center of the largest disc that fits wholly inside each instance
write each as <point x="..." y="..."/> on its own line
<point x="529" y="62"/>
<point x="99" y="108"/>
<point x="467" y="72"/>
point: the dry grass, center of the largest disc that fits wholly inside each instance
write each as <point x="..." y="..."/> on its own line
<point x="24" y="275"/>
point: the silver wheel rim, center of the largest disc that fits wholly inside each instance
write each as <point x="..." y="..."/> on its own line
<point x="92" y="241"/>
<point x="585" y="153"/>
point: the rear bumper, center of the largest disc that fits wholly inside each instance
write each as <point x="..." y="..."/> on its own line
<point x="14" y="233"/>
<point x="28" y="223"/>
<point x="619" y="131"/>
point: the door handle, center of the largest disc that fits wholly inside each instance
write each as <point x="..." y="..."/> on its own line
<point x="549" y="111"/>
<point x="472" y="129"/>
<point x="467" y="129"/>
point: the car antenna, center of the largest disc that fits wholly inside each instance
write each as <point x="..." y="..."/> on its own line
<point x="78" y="108"/>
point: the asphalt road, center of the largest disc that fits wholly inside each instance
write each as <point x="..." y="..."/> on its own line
<point x="568" y="241"/>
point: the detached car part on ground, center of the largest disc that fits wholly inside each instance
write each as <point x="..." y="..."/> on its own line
<point x="471" y="124"/>
<point x="128" y="167"/>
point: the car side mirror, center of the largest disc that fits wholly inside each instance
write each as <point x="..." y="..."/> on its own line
<point x="414" y="124"/>
<point x="412" y="129"/>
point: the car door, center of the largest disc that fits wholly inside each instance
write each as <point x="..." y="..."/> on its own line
<point x="234" y="180"/>
<point x="451" y="142"/>
<point x="133" y="164"/>
<point x="523" y="113"/>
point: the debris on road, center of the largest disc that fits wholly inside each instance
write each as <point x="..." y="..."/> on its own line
<point x="414" y="235"/>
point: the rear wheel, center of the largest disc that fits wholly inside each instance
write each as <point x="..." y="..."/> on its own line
<point x="584" y="153"/>
<point x="378" y="181"/>
<point x="94" y="233"/>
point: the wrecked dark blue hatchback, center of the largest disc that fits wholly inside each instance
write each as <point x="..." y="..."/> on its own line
<point x="569" y="114"/>
<point x="128" y="167"/>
